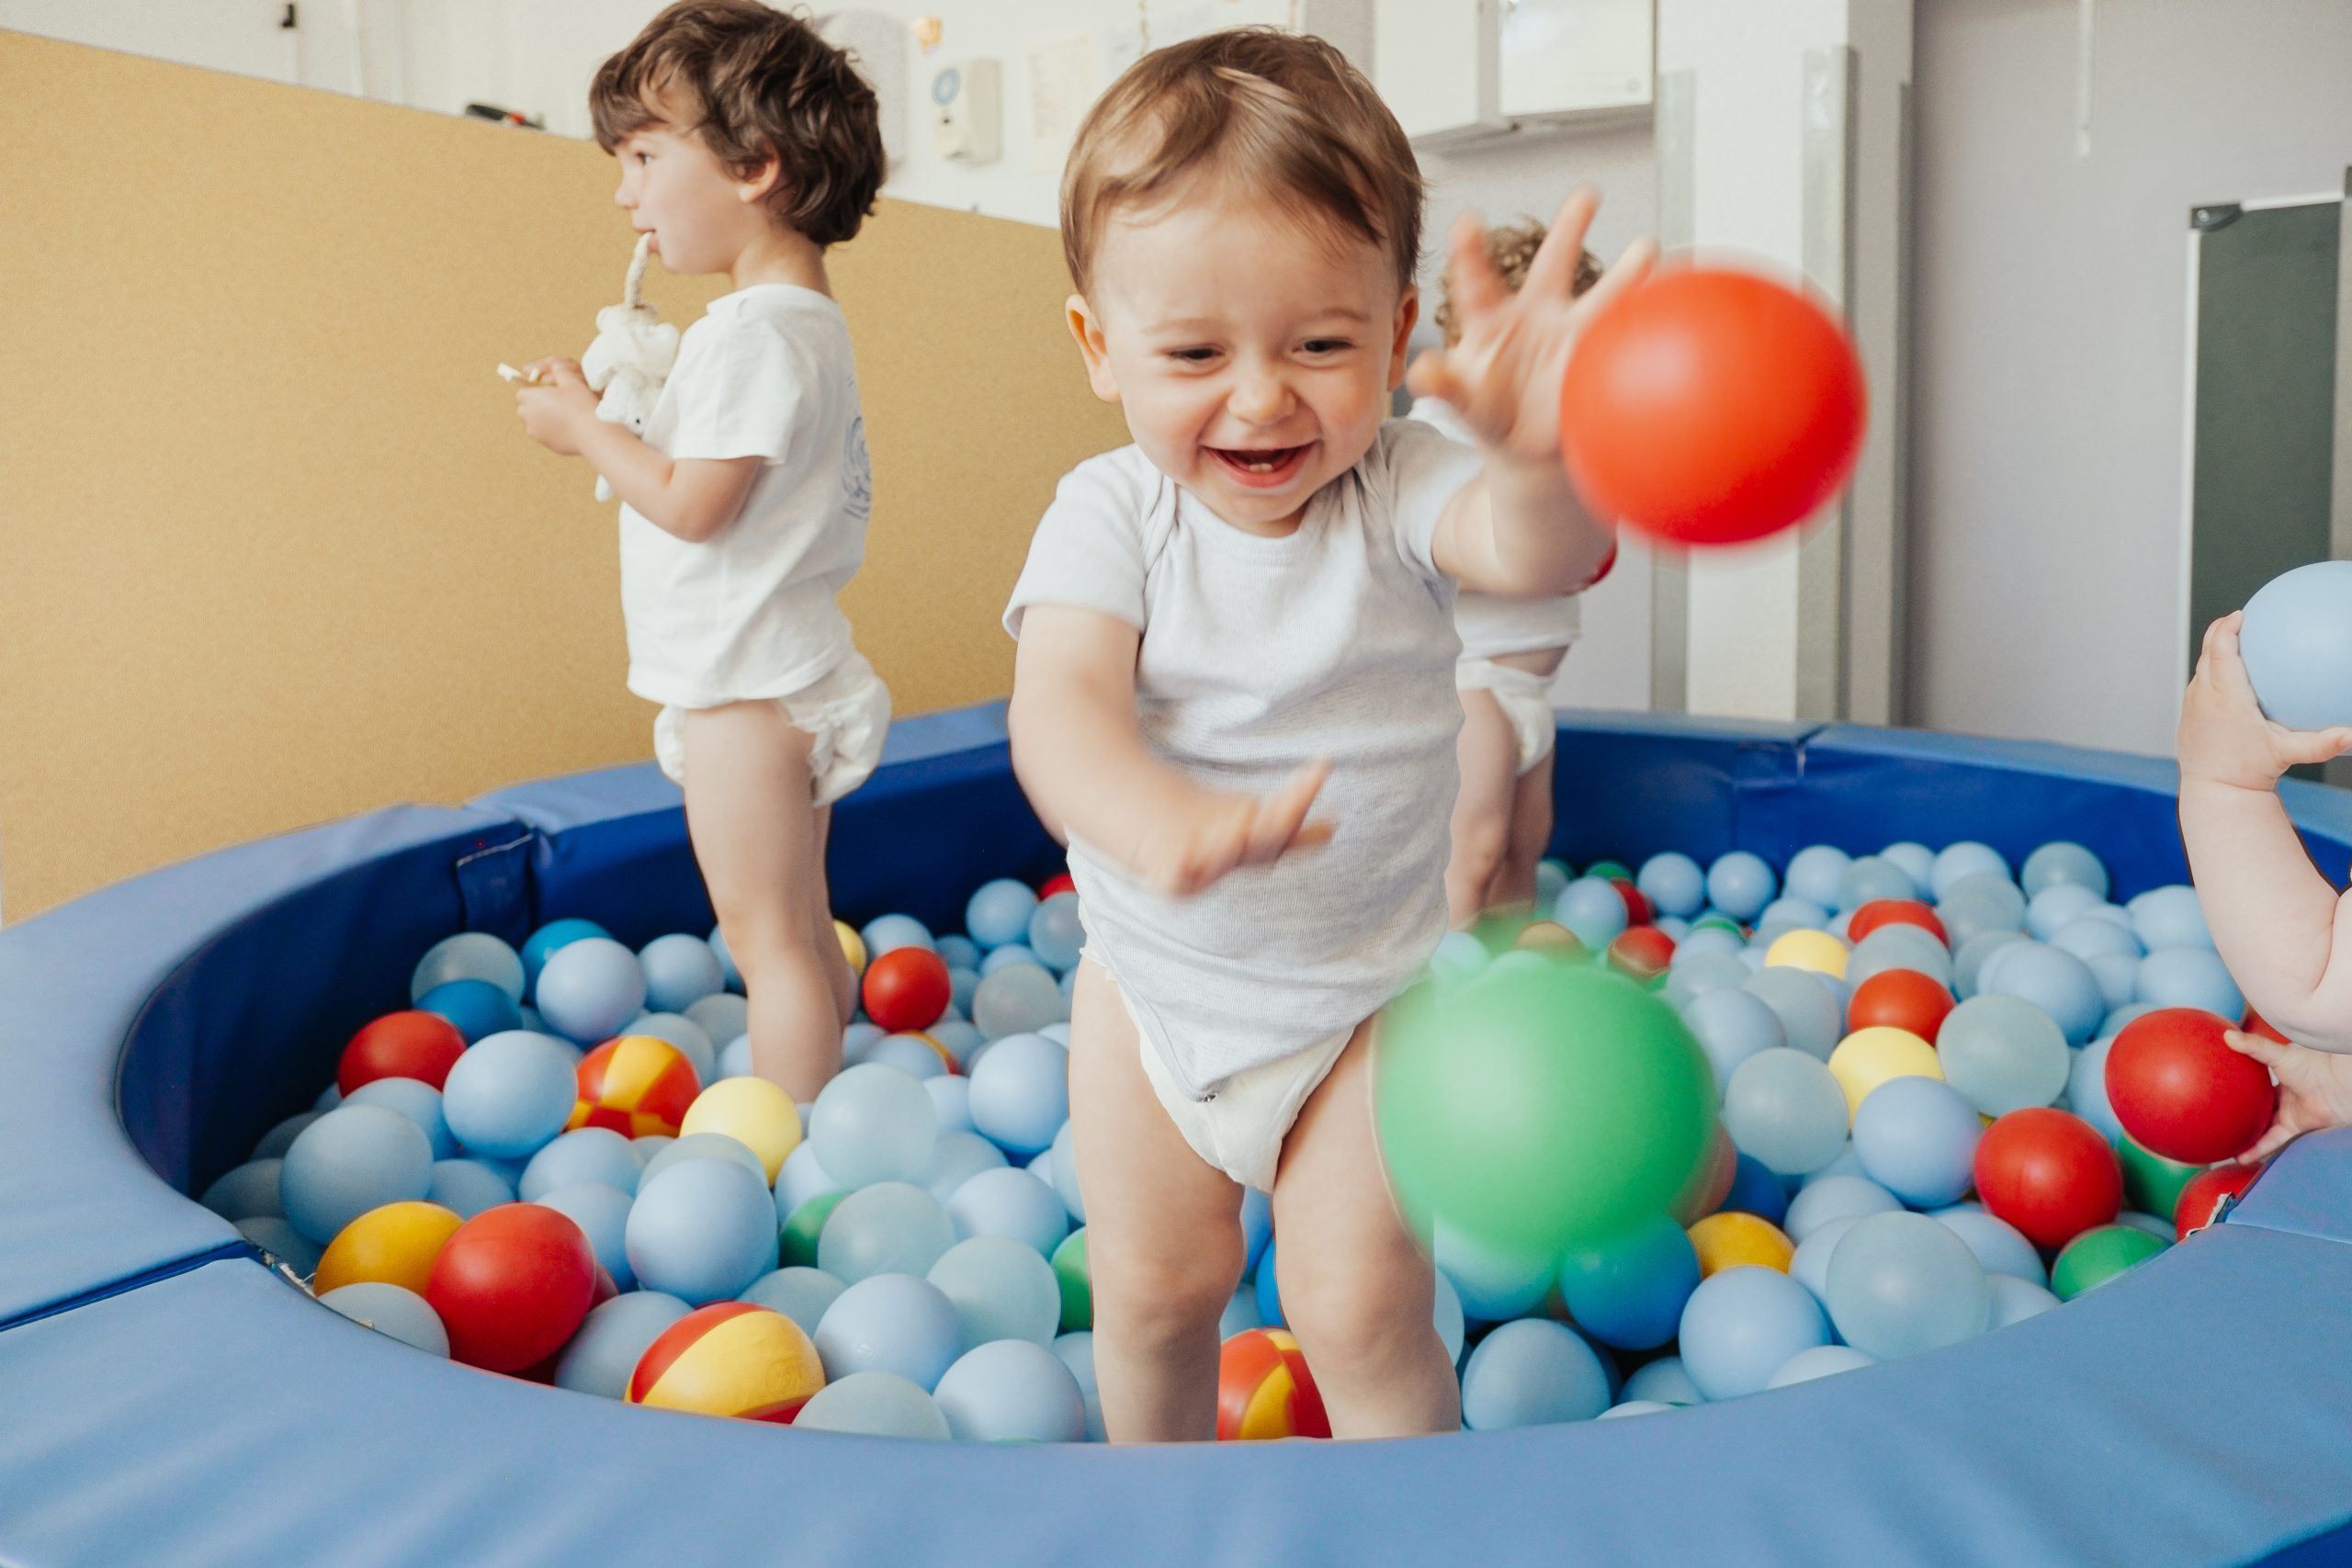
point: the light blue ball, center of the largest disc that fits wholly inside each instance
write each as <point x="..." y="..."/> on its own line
<point x="1076" y="1352"/>
<point x="1674" y="926"/>
<point x="510" y="1093"/>
<point x="354" y="1159"/>
<point x="2296" y="644"/>
<point x="801" y="1178"/>
<point x="2060" y="861"/>
<point x="724" y="1016"/>
<point x="1966" y="859"/>
<point x="1899" y="946"/>
<point x="2004" y="1053"/>
<point x="1673" y="884"/>
<point x="701" y="1231"/>
<point x="602" y="1214"/>
<point x="1968" y="963"/>
<point x="1741" y="1325"/>
<point x="1694" y="976"/>
<point x="801" y="1293"/>
<point x="1494" y="1284"/>
<point x="679" y="970"/>
<point x="1848" y="1163"/>
<point x="474" y="1008"/>
<point x="1663" y="1381"/>
<point x="281" y="1241"/>
<point x="960" y="1038"/>
<point x="999" y="913"/>
<point x="1012" y="1391"/>
<point x="1256" y="1227"/>
<point x="2123" y="1015"/>
<point x="1917" y="860"/>
<point x="874" y="1123"/>
<point x="1999" y="1246"/>
<point x="2169" y="917"/>
<point x="962" y="984"/>
<point x="280" y="1138"/>
<point x="1533" y="1372"/>
<point x="420" y="1102"/>
<point x="1811" y="1019"/>
<point x="703" y="1146"/>
<point x="1019" y="999"/>
<point x="1021" y="1092"/>
<point x="2190" y="978"/>
<point x="1782" y="1107"/>
<point x="1786" y="913"/>
<point x="1815" y="874"/>
<point x="957" y="951"/>
<point x="956" y="1158"/>
<point x="592" y="1154"/>
<point x="1917" y="1137"/>
<point x="1593" y="909"/>
<point x="612" y="1339"/>
<point x="891" y="1322"/>
<point x="2057" y="982"/>
<point x="548" y="939"/>
<point x="2015" y="1299"/>
<point x="1821" y="1361"/>
<point x="1901" y="1284"/>
<point x="246" y="1191"/>
<point x="1447" y="1316"/>
<point x="886" y="932"/>
<point x="2094" y="937"/>
<point x="1740" y="884"/>
<point x="1731" y="1026"/>
<point x="891" y="1227"/>
<point x="1240" y="1314"/>
<point x="873" y="1405"/>
<point x="2086" y="1089"/>
<point x="1810" y="1265"/>
<point x="467" y="1187"/>
<point x="1003" y="1288"/>
<point x="1834" y="1197"/>
<point x="1630" y="1291"/>
<point x="1982" y="900"/>
<point x="1634" y="1407"/>
<point x="1010" y="1204"/>
<point x="589" y="988"/>
<point x="1458" y="955"/>
<point x="1056" y="934"/>
<point x="1267" y="1291"/>
<point x="730" y="975"/>
<point x="391" y="1309"/>
<point x="1013" y="954"/>
<point x="469" y="955"/>
<point x="2057" y="907"/>
<point x="951" y="1101"/>
<point x="1074" y="1199"/>
<point x="1870" y="878"/>
<point x="1705" y="939"/>
<point x="907" y="1054"/>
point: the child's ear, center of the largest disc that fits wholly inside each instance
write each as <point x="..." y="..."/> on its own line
<point x="1086" y="328"/>
<point x="761" y="182"/>
<point x="1408" y="310"/>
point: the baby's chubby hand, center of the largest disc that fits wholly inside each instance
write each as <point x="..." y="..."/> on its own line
<point x="1503" y="376"/>
<point x="2225" y="736"/>
<point x="1208" y="833"/>
<point x="2314" y="1089"/>
<point x="553" y="411"/>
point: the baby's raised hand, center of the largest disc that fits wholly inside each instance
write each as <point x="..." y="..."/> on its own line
<point x="1186" y="848"/>
<point x="1503" y="375"/>
<point x="2314" y="1089"/>
<point x="2225" y="736"/>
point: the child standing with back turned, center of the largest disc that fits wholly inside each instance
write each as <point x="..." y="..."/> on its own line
<point x="1234" y="692"/>
<point x="747" y="145"/>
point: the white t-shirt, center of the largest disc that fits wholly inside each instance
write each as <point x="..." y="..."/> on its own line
<point x="1260" y="655"/>
<point x="765" y="373"/>
<point x="1492" y="625"/>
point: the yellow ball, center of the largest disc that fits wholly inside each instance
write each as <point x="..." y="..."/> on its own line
<point x="1816" y="951"/>
<point x="394" y="1245"/>
<point x="1868" y="1057"/>
<point x="852" y="947"/>
<point x="1733" y="1238"/>
<point x="755" y="1112"/>
<point x="729" y="1358"/>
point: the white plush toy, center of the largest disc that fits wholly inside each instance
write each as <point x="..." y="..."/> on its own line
<point x="631" y="356"/>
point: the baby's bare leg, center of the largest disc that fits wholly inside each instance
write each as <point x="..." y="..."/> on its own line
<point x="1531" y="833"/>
<point x="837" y="974"/>
<point x="1488" y="756"/>
<point x="1163" y="1233"/>
<point x="1356" y="1288"/>
<point x="751" y="817"/>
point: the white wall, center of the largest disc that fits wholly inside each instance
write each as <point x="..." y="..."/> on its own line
<point x="2050" y="309"/>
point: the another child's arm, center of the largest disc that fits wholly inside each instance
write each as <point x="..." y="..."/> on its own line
<point x="2285" y="933"/>
<point x="1078" y="756"/>
<point x="1519" y="528"/>
<point x="693" y="498"/>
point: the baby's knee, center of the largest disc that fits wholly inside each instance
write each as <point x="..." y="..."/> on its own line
<point x="1348" y="1326"/>
<point x="1161" y="1297"/>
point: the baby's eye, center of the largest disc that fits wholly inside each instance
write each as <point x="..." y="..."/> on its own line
<point x="1326" y="345"/>
<point x="1192" y="355"/>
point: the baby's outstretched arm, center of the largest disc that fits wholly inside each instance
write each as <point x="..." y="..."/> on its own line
<point x="1078" y="756"/>
<point x="693" y="498"/>
<point x="2283" y="931"/>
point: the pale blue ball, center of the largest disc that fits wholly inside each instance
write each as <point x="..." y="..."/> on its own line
<point x="469" y="955"/>
<point x="2119" y="980"/>
<point x="1740" y="883"/>
<point x="962" y="984"/>
<point x="1741" y="1325"/>
<point x="2297" y="643"/>
<point x="1663" y="1381"/>
<point x="1268" y="1283"/>
<point x="474" y="1008"/>
<point x="679" y="970"/>
<point x="1999" y="1246"/>
<point x="2057" y="982"/>
<point x="1013" y="954"/>
<point x="1003" y="1288"/>
<point x="951" y="1101"/>
<point x="551" y="937"/>
<point x="905" y="1053"/>
<point x="2190" y="978"/>
<point x="1848" y="1163"/>
<point x="510" y="1093"/>
<point x="1968" y="963"/>
<point x="280" y="1138"/>
<point x="1704" y="940"/>
<point x="701" y="1231"/>
<point x="1056" y="934"/>
<point x="602" y="1214"/>
<point x="956" y="1158"/>
<point x="999" y="913"/>
<point x="1530" y="1373"/>
<point x="1917" y="1137"/>
<point x="801" y="1293"/>
<point x="799" y="1179"/>
<point x="888" y="931"/>
<point x="1634" y="1407"/>
<point x="957" y="951"/>
<point x="2058" y="905"/>
<point x="1011" y="1204"/>
<point x="1782" y="1107"/>
<point x="393" y="1311"/>
<point x="1019" y="999"/>
<point x="1786" y="913"/>
<point x="1694" y="976"/>
<point x="1673" y="883"/>
<point x="1917" y="860"/>
<point x="1010" y="1389"/>
<point x="1899" y="946"/>
<point x="2004" y="1053"/>
<point x="418" y="1101"/>
<point x="2086" y="1089"/>
<point x="2015" y="1299"/>
<point x="2095" y="937"/>
<point x="1834" y="1197"/>
<point x="246" y="1191"/>
<point x="1551" y="876"/>
<point x="891" y="1322"/>
<point x="1256" y="1227"/>
<point x="354" y="1159"/>
<point x="1021" y="1092"/>
<point x="873" y="1405"/>
<point x="467" y="1187"/>
<point x="1494" y="1284"/>
<point x="874" y="1123"/>
<point x="1593" y="909"/>
<point x="1870" y="878"/>
<point x="723" y="1017"/>
<point x="1982" y="900"/>
<point x="702" y="1146"/>
<point x="1821" y="1361"/>
<point x="589" y="988"/>
<point x="891" y="1227"/>
<point x="728" y="973"/>
<point x="2169" y="917"/>
<point x="1731" y="1026"/>
<point x="1674" y="926"/>
<point x="962" y="1039"/>
<point x="1810" y="1265"/>
<point x="602" y="1356"/>
<point x="1815" y="873"/>
<point x="1901" y="1284"/>
<point x="1240" y="1314"/>
<point x="1458" y="956"/>
<point x="281" y="1241"/>
<point x="1811" y="1019"/>
<point x="1074" y="1199"/>
<point x="2059" y="861"/>
<point x="1076" y="1352"/>
<point x="1966" y="859"/>
<point x="591" y="1154"/>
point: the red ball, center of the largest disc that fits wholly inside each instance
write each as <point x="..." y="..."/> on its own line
<point x="2256" y="1024"/>
<point x="2200" y="1199"/>
<point x="512" y="1284"/>
<point x="1882" y="912"/>
<point x="1062" y="884"/>
<point x="420" y="1046"/>
<point x="906" y="988"/>
<point x="1710" y="406"/>
<point x="1900" y="999"/>
<point x="1637" y="904"/>
<point x="2049" y="1174"/>
<point x="2181" y="1092"/>
<point x="1642" y="953"/>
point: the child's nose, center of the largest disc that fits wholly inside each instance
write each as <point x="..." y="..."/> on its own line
<point x="1259" y="398"/>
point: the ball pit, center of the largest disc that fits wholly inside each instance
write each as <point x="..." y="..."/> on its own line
<point x="1374" y="1495"/>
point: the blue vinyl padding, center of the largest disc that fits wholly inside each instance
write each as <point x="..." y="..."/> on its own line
<point x="166" y="1409"/>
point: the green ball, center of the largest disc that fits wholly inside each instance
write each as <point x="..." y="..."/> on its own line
<point x="2099" y="1255"/>
<point x="1606" y="869"/>
<point x="800" y="1232"/>
<point x="1539" y="1106"/>
<point x="2150" y="1182"/>
<point x="1077" y="1286"/>
<point x="1721" y="922"/>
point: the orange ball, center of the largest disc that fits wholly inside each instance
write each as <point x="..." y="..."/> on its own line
<point x="405" y="1045"/>
<point x="394" y="1245"/>
<point x="1641" y="952"/>
<point x="1710" y="406"/>
<point x="634" y="1085"/>
<point x="729" y="1358"/>
<point x="1263" y="1389"/>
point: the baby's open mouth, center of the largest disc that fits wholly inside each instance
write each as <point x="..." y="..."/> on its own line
<point x="1261" y="466"/>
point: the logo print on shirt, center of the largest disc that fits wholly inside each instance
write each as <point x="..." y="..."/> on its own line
<point x="857" y="472"/>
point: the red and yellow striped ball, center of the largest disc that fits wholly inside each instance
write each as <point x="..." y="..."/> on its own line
<point x="729" y="1358"/>
<point x="1263" y="1389"/>
<point x="634" y="1085"/>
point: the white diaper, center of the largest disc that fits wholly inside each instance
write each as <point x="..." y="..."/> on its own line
<point x="1526" y="700"/>
<point x="846" y="714"/>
